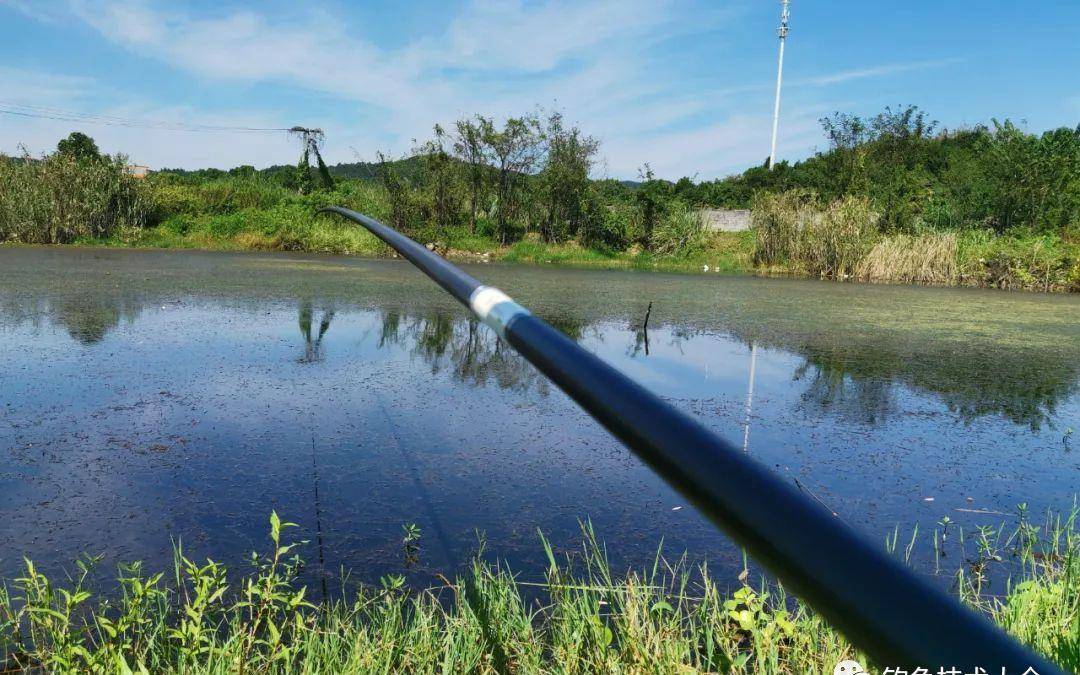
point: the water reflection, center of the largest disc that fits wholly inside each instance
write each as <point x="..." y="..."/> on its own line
<point x="462" y="346"/>
<point x="313" y="340"/>
<point x="832" y="389"/>
<point x="87" y="318"/>
<point x="853" y="380"/>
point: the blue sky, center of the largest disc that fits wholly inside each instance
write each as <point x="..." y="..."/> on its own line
<point x="686" y="86"/>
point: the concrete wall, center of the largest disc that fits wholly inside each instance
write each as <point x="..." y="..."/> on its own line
<point x="726" y="220"/>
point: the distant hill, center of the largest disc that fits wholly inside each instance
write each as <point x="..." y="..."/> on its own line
<point x="407" y="168"/>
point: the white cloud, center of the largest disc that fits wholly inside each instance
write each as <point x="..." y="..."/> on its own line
<point x="155" y="147"/>
<point x="42" y="88"/>
<point x="589" y="58"/>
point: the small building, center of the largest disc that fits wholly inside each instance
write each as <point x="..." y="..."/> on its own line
<point x="137" y="170"/>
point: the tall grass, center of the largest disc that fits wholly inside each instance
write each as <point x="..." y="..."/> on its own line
<point x="928" y="258"/>
<point x="793" y="232"/>
<point x="59" y="199"/>
<point x="681" y="232"/>
<point x="777" y="221"/>
<point x="582" y="617"/>
<point x="791" y="229"/>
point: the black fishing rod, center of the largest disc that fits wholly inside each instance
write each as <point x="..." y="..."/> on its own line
<point x="898" y="619"/>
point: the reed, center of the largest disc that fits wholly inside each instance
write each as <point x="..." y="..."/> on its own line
<point x="927" y="258"/>
<point x="777" y="221"/>
<point x="60" y="198"/>
<point x="834" y="242"/>
<point x="791" y="230"/>
<point x="580" y="617"/>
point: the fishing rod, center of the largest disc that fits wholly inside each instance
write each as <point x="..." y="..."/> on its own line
<point x="898" y="619"/>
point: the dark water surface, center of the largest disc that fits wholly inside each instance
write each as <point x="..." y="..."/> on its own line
<point x="154" y="395"/>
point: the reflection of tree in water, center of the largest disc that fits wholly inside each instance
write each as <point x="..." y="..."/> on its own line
<point x="853" y="377"/>
<point x="312" y="339"/>
<point x="1025" y="388"/>
<point x="87" y="319"/>
<point x="472" y="352"/>
<point x="831" y="389"/>
<point x="859" y="381"/>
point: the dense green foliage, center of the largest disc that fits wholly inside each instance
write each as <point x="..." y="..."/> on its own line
<point x="996" y="177"/>
<point x="79" y="146"/>
<point x="584" y="617"/>
<point x="891" y="199"/>
<point x="69" y="195"/>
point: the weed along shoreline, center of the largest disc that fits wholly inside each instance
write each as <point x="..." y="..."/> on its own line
<point x="581" y="616"/>
<point x="974" y="260"/>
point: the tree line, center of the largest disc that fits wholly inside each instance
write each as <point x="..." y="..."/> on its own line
<point x="920" y="177"/>
<point x="534" y="176"/>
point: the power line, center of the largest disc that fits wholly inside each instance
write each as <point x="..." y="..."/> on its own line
<point x="44" y="112"/>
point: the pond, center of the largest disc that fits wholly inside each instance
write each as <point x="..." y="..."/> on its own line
<point x="148" y="397"/>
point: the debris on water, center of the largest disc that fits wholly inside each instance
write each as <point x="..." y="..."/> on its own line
<point x="983" y="511"/>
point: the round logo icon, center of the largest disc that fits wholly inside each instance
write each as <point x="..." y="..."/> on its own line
<point x="848" y="668"/>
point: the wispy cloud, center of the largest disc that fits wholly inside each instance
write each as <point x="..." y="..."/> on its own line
<point x="156" y="147"/>
<point x="600" y="61"/>
<point x="581" y="56"/>
<point x="873" y="71"/>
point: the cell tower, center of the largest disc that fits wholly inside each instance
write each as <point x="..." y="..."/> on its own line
<point x="782" y="32"/>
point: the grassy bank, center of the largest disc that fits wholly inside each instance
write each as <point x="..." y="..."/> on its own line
<point x="298" y="231"/>
<point x="793" y="232"/>
<point x="583" y="618"/>
<point x="61" y="199"/>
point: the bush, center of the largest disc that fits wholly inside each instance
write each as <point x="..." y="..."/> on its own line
<point x="1033" y="262"/>
<point x="834" y="242"/>
<point x="61" y="198"/>
<point x="607" y="227"/>
<point x="680" y="232"/>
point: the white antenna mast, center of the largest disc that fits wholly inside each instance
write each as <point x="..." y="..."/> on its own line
<point x="782" y="32"/>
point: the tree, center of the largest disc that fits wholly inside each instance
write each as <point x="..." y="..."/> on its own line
<point x="439" y="179"/>
<point x="78" y="145"/>
<point x="564" y="181"/>
<point x="515" y="149"/>
<point x="1033" y="181"/>
<point x="243" y="171"/>
<point x="652" y="199"/>
<point x="470" y="149"/>
<point x="399" y="192"/>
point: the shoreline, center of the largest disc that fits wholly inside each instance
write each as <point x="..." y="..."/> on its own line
<point x="725" y="254"/>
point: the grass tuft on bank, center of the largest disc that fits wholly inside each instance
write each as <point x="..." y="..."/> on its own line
<point x="794" y="233"/>
<point x="583" y="617"/>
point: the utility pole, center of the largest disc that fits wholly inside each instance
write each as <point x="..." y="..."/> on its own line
<point x="782" y="32"/>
